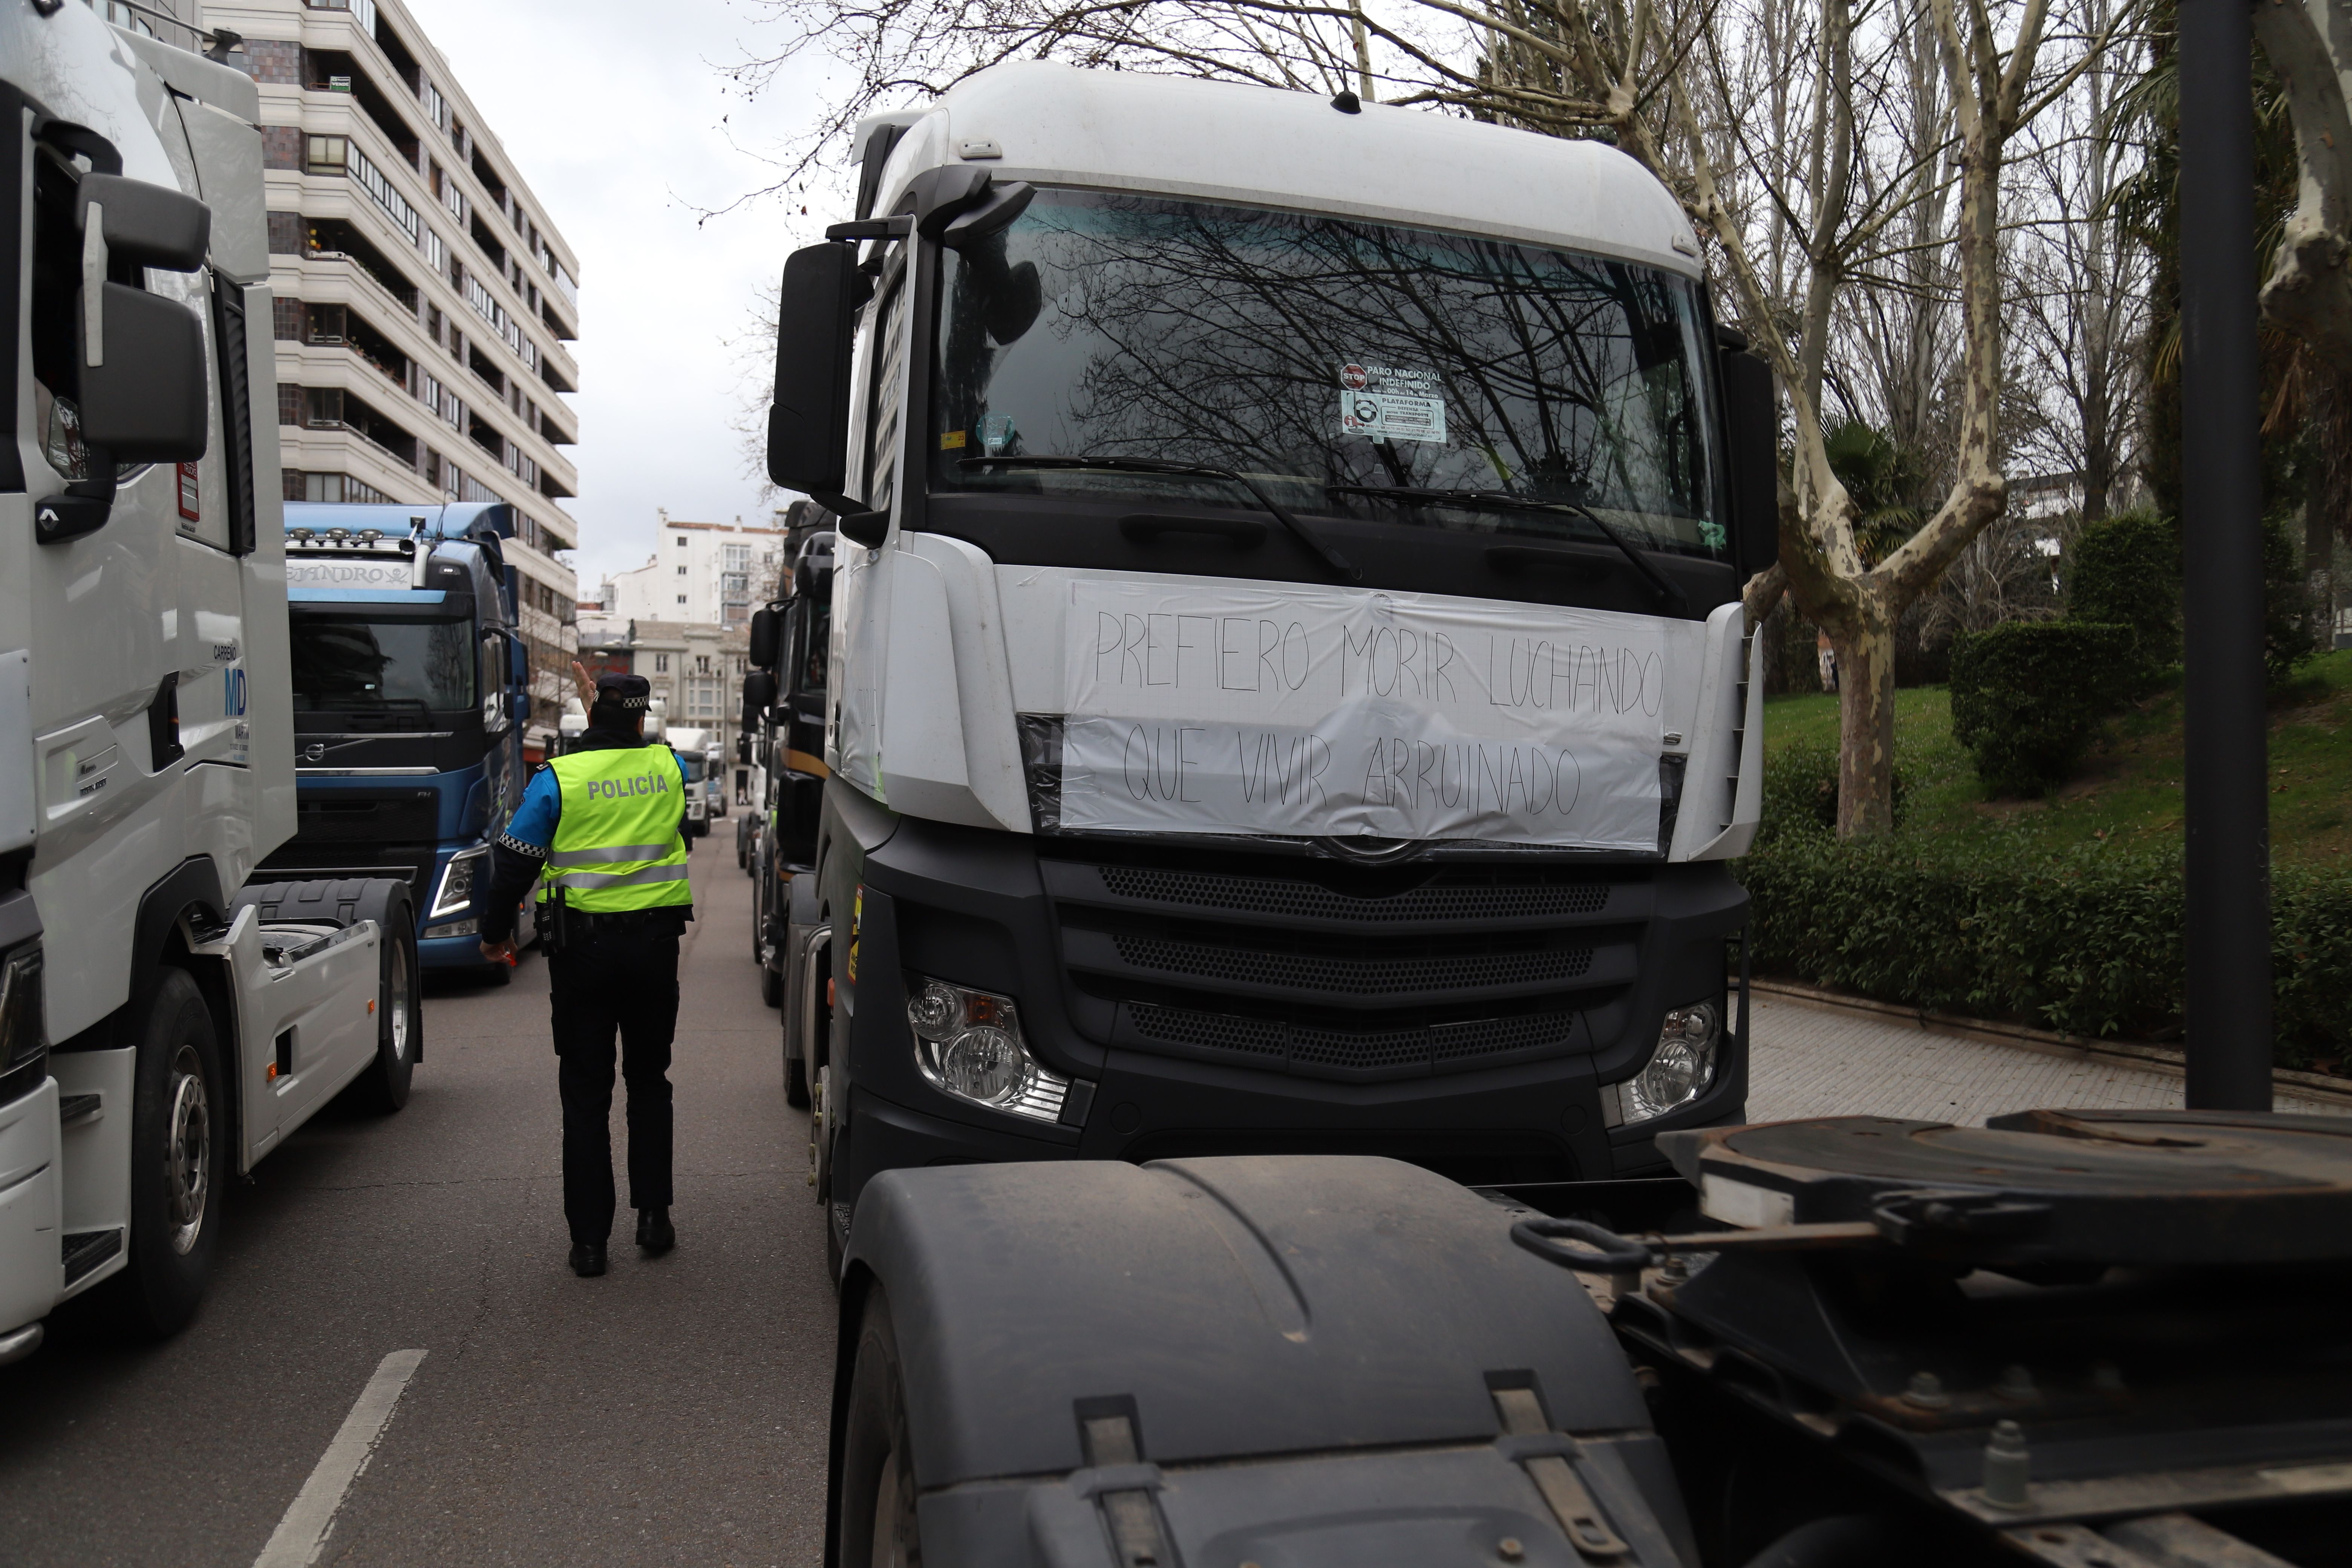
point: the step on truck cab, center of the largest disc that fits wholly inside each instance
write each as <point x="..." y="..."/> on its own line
<point x="166" y="1017"/>
<point x="1290" y="691"/>
<point x="411" y="687"/>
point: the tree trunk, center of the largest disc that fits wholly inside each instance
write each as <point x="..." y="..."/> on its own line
<point x="1866" y="655"/>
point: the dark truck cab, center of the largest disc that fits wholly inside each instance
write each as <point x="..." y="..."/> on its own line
<point x="410" y="688"/>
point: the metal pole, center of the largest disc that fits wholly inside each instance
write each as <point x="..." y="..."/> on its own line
<point x="2228" y="763"/>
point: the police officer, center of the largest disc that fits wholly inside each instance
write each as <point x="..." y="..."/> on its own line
<point x="601" y="826"/>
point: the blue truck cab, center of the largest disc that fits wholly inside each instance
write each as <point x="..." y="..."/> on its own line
<point x="411" y="689"/>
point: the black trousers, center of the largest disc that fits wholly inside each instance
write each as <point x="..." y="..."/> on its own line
<point x="605" y="985"/>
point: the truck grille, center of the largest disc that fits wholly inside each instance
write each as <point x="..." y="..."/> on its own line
<point x="355" y="817"/>
<point x="1321" y="969"/>
<point x="1354" y="976"/>
<point x="362" y="833"/>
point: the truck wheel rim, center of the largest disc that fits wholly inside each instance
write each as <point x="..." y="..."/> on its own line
<point x="188" y="1161"/>
<point x="395" y="1003"/>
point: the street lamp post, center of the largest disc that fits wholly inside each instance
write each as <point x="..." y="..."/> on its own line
<point x="2226" y="783"/>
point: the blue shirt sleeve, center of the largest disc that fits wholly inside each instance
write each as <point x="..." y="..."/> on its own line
<point x="532" y="831"/>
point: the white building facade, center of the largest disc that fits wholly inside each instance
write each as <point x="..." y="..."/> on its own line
<point x="712" y="573"/>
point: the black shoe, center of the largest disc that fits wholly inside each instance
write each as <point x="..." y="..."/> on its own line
<point x="654" y="1233"/>
<point x="587" y="1258"/>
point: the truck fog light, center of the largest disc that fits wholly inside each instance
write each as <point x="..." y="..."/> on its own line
<point x="935" y="1012"/>
<point x="1680" y="1068"/>
<point x="457" y="882"/>
<point x="457" y="928"/>
<point x="968" y="1043"/>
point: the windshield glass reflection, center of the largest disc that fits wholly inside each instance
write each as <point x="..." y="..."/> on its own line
<point x="1312" y="352"/>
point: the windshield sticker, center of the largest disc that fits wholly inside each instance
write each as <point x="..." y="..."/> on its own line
<point x="995" y="434"/>
<point x="1307" y="711"/>
<point x="1386" y="404"/>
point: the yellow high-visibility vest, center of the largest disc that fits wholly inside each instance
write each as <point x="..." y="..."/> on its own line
<point x="617" y="845"/>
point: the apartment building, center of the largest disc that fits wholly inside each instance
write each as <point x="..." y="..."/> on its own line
<point x="426" y="305"/>
<point x="700" y="572"/>
<point x="697" y="670"/>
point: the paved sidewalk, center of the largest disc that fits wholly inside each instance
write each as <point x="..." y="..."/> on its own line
<point x="1822" y="1061"/>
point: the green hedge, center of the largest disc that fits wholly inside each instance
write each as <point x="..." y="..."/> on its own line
<point x="2086" y="943"/>
<point x="2028" y="697"/>
<point x="2126" y="572"/>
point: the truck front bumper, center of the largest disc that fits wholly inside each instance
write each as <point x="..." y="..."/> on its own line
<point x="1462" y="1015"/>
<point x="32" y="1269"/>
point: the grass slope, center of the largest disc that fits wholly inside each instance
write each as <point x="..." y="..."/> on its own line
<point x="2128" y="790"/>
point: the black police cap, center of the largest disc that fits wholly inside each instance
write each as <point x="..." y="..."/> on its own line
<point x="632" y="692"/>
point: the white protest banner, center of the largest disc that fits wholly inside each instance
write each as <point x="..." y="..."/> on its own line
<point x="1219" y="708"/>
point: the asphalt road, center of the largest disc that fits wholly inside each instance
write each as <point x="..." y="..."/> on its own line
<point x="671" y="1412"/>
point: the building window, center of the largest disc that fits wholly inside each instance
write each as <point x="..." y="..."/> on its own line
<point x="737" y="557"/>
<point x="333" y="489"/>
<point x="661" y="664"/>
<point x="327" y="155"/>
<point x="681" y="598"/>
<point x="681" y="541"/>
<point x="363" y="11"/>
<point x="681" y="571"/>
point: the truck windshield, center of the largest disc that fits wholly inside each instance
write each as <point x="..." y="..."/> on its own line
<point x="349" y="660"/>
<point x="693" y="767"/>
<point x="1324" y="357"/>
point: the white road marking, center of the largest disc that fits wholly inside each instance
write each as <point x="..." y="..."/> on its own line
<point x="302" y="1532"/>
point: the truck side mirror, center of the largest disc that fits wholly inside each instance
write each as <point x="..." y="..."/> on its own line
<point x="766" y="622"/>
<point x="142" y="356"/>
<point x="812" y="576"/>
<point x="800" y="810"/>
<point x="759" y="695"/>
<point x="816" y="323"/>
<point x="1753" y="454"/>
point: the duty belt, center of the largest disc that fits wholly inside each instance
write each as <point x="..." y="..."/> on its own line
<point x="580" y="924"/>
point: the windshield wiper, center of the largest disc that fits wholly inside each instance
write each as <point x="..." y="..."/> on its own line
<point x="1504" y="500"/>
<point x="1298" y="530"/>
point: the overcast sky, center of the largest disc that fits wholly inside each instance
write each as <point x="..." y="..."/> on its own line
<point x="612" y="113"/>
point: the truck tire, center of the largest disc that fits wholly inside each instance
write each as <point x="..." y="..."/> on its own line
<point x="876" y="1474"/>
<point x="772" y="992"/>
<point x="796" y="1084"/>
<point x="179" y="1135"/>
<point x="399" y="1024"/>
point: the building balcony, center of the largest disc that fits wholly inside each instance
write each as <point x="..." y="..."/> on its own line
<point x="390" y="210"/>
<point x="393" y="340"/>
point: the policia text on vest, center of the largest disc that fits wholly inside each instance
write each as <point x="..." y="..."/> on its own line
<point x="600" y="830"/>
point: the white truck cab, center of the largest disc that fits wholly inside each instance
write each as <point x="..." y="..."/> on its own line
<point x="1290" y="690"/>
<point x="163" y="1025"/>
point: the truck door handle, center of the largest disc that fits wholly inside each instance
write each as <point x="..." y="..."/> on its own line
<point x="1244" y="532"/>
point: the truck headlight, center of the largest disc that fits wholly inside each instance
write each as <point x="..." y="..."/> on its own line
<point x="466" y="870"/>
<point x="968" y="1043"/>
<point x="24" y="1026"/>
<point x="1680" y="1068"/>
